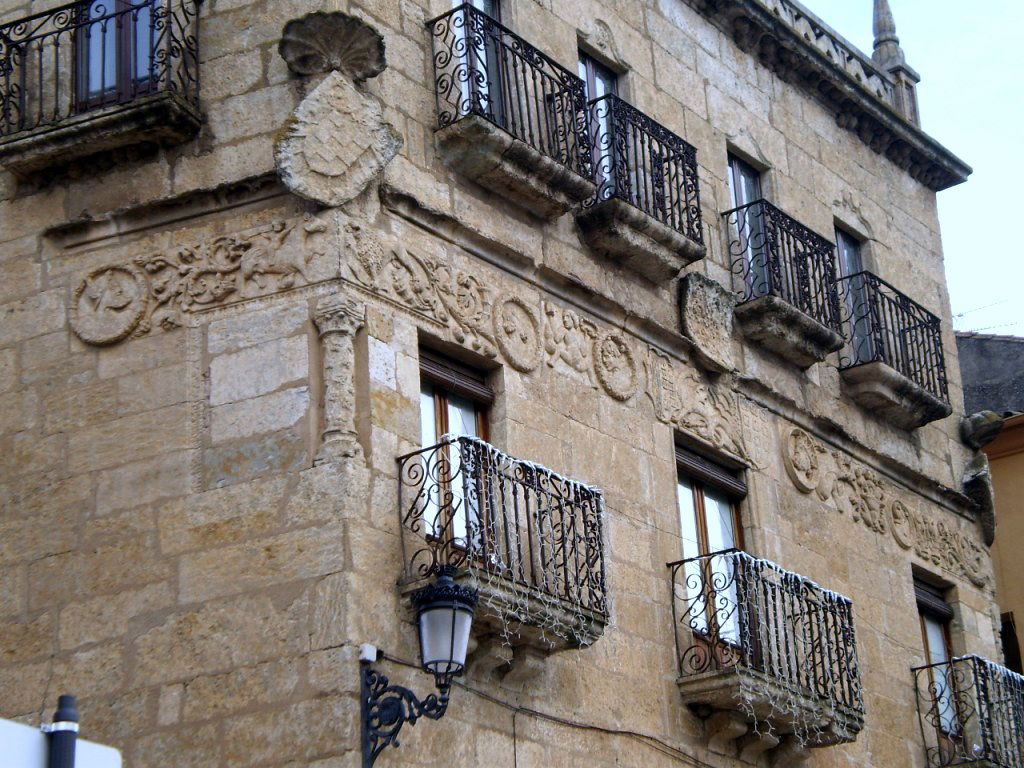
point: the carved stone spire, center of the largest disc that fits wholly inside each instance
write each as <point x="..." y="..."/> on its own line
<point x="888" y="53"/>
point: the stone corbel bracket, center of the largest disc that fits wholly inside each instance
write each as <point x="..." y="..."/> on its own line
<point x="336" y="142"/>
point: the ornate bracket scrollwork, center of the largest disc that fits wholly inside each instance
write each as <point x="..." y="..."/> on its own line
<point x="386" y="708"/>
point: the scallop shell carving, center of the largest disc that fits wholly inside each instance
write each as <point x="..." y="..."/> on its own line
<point x="322" y="42"/>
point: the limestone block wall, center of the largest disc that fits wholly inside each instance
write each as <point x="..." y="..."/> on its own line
<point x="198" y="482"/>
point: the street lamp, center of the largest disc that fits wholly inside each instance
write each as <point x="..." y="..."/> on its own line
<point x="444" y="615"/>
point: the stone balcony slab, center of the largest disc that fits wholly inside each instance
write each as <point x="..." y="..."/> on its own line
<point x="785" y="330"/>
<point x="886" y="392"/>
<point x="159" y="119"/>
<point x="479" y="150"/>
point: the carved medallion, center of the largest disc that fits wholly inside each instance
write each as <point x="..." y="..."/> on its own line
<point x="517" y="333"/>
<point x="902" y="524"/>
<point x="615" y="366"/>
<point x="801" y="459"/>
<point x="108" y="304"/>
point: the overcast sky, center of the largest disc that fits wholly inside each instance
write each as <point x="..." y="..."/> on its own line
<point x="969" y="57"/>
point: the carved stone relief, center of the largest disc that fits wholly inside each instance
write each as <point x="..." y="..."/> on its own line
<point x="706" y="312"/>
<point x="508" y="327"/>
<point x="337" y="141"/>
<point x="162" y="289"/>
<point x="338" y="320"/>
<point x="683" y="399"/>
<point x="861" y="493"/>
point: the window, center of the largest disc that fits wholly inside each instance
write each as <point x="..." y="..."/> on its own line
<point x="454" y="399"/>
<point x="116" y="50"/>
<point x="935" y="616"/>
<point x="481" y="82"/>
<point x="848" y="250"/>
<point x="709" y="523"/>
<point x="600" y="82"/>
<point x="1011" y="647"/>
<point x="745" y="189"/>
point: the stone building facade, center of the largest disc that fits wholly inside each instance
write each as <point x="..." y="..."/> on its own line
<point x="248" y="269"/>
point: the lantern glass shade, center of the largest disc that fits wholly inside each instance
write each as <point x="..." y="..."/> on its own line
<point x="444" y="638"/>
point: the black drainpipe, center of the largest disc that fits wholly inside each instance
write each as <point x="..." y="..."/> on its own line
<point x="62" y="734"/>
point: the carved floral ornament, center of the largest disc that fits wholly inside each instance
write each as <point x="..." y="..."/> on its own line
<point x="859" y="492"/>
<point x="526" y="334"/>
<point x="163" y="289"/>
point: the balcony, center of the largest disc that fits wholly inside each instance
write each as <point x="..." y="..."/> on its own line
<point x="789" y="305"/>
<point x="530" y="540"/>
<point x="81" y="79"/>
<point x="971" y="712"/>
<point x="646" y="212"/>
<point x="509" y="117"/>
<point x="893" y="363"/>
<point x="767" y="656"/>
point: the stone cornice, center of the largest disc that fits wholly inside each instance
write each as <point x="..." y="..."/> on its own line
<point x="802" y="50"/>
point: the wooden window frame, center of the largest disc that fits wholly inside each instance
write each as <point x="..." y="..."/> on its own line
<point x="703" y="473"/>
<point x="126" y="85"/>
<point x="932" y="604"/>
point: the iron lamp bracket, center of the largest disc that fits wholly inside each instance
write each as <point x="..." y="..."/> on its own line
<point x="386" y="708"/>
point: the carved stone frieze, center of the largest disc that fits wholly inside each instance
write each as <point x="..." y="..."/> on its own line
<point x="683" y="399"/>
<point x="855" y="490"/>
<point x="162" y="289"/>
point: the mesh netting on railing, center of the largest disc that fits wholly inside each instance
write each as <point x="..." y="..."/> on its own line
<point x="532" y="534"/>
<point x="787" y="639"/>
<point x="971" y="712"/>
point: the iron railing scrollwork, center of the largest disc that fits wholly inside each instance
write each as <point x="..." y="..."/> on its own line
<point x="884" y="325"/>
<point x="775" y="255"/>
<point x="85" y="55"/>
<point x="732" y="611"/>
<point x="641" y="162"/>
<point x="971" y="712"/>
<point x="481" y="68"/>
<point x="463" y="502"/>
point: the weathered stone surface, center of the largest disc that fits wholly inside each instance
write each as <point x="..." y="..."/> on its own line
<point x="101" y="618"/>
<point x="268" y="413"/>
<point x="258" y="370"/>
<point x="630" y="237"/>
<point x="786" y="331"/>
<point x="256" y="327"/>
<point x="302" y="554"/>
<point x="494" y="159"/>
<point x="221" y="635"/>
<point x="980" y="429"/>
<point x="143" y="482"/>
<point x="221" y="516"/>
<point x="336" y="143"/>
<point x="239" y="460"/>
<point x="215" y="695"/>
<point x="706" y="311"/>
<point x="130" y="438"/>
<point x="889" y="394"/>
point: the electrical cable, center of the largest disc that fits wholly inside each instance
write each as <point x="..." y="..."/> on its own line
<point x="653" y="742"/>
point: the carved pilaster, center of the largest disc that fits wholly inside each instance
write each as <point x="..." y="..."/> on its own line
<point x="338" y="320"/>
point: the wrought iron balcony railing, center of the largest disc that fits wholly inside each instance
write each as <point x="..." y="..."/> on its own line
<point x="734" y="612"/>
<point x="641" y="162"/>
<point x="971" y="712"/>
<point x="83" y="56"/>
<point x="483" y="69"/>
<point x="883" y="325"/>
<point x="776" y="255"/>
<point x="463" y="502"/>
